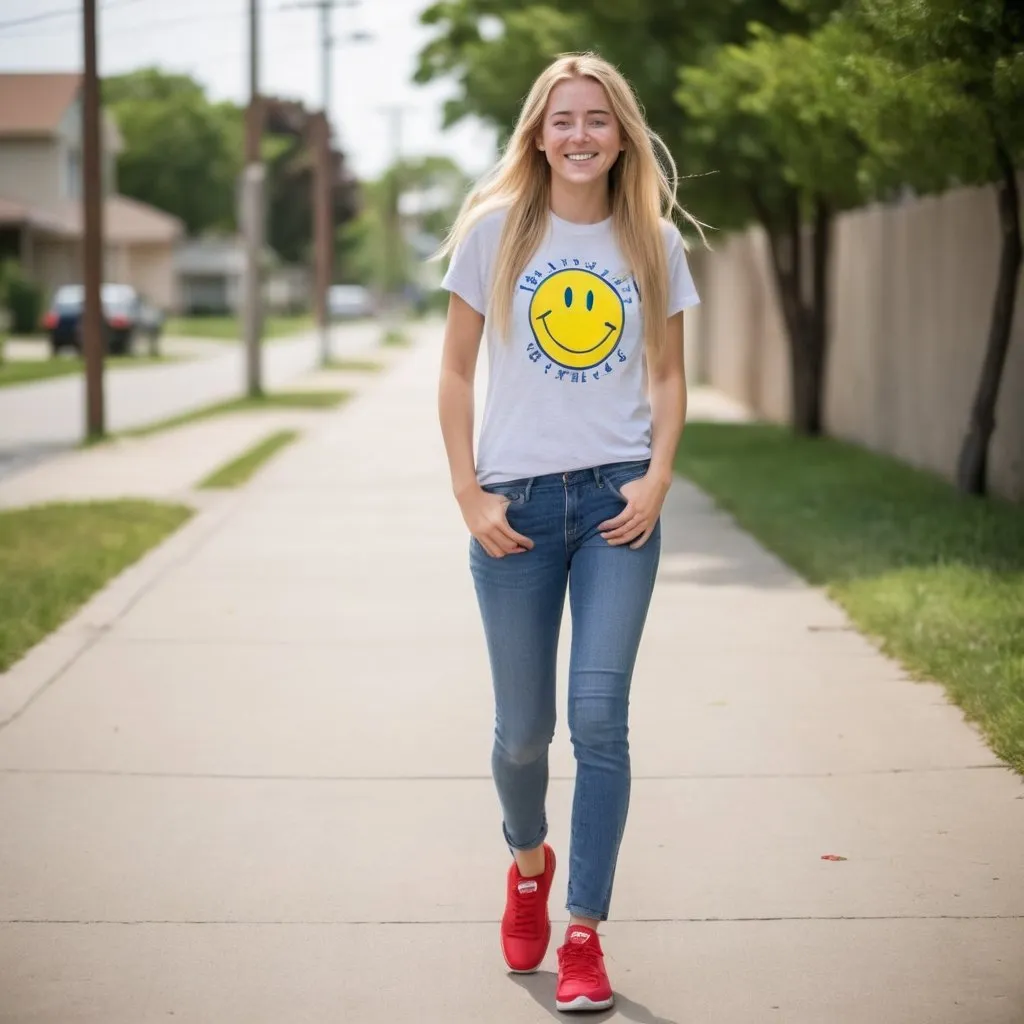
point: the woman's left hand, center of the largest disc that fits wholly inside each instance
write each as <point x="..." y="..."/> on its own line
<point x="635" y="523"/>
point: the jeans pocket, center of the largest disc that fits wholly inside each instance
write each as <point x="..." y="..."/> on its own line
<point x="514" y="494"/>
<point x="617" y="478"/>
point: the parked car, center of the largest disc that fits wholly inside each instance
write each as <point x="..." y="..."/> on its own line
<point x="348" y="301"/>
<point x="126" y="314"/>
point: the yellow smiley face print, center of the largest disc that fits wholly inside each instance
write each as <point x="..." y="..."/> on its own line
<point x="577" y="318"/>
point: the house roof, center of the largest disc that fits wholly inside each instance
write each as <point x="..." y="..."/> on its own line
<point x="18" y="215"/>
<point x="125" y="221"/>
<point x="33" y="104"/>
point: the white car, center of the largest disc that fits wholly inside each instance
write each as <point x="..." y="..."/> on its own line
<point x="347" y="301"/>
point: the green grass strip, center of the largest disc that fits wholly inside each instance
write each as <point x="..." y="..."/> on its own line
<point x="26" y="371"/>
<point x="278" y="400"/>
<point x="53" y="558"/>
<point x="229" y="328"/>
<point x="936" y="576"/>
<point x="355" y="365"/>
<point x="238" y="471"/>
<point x="395" y="338"/>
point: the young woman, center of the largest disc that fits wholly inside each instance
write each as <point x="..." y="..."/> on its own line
<point x="564" y="257"/>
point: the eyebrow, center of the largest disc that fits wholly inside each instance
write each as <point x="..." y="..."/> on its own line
<point x="562" y="113"/>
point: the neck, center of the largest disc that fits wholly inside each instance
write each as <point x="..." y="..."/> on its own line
<point x="581" y="204"/>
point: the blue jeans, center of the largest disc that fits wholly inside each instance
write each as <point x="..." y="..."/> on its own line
<point x="521" y="600"/>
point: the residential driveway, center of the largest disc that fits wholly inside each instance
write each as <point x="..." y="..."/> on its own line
<point x="250" y="783"/>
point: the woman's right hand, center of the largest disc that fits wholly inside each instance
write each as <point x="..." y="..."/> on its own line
<point x="485" y="516"/>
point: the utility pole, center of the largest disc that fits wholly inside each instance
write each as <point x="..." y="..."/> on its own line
<point x="323" y="200"/>
<point x="92" y="244"/>
<point x="394" y="262"/>
<point x="253" y="216"/>
<point x="323" y="242"/>
<point x="323" y="185"/>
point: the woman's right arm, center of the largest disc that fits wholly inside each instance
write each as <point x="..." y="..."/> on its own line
<point x="484" y="513"/>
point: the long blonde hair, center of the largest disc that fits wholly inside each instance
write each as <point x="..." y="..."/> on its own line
<point x="641" y="194"/>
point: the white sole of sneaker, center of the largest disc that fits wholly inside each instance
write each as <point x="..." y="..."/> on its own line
<point x="583" y="1004"/>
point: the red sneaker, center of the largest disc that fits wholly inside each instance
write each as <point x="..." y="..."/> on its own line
<point x="525" y="925"/>
<point x="582" y="981"/>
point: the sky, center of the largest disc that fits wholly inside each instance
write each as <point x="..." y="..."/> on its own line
<point x="208" y="39"/>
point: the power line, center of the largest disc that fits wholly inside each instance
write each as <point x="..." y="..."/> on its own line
<point x="64" y="12"/>
<point x="45" y="16"/>
<point x="54" y="33"/>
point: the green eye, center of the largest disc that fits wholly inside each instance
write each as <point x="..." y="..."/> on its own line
<point x="590" y="301"/>
<point x="568" y="298"/>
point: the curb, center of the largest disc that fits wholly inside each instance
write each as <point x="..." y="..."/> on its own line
<point x="45" y="663"/>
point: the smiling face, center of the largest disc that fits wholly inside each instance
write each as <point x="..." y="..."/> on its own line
<point x="580" y="135"/>
<point x="577" y="318"/>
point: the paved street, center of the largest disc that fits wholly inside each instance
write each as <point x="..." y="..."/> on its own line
<point x="43" y="417"/>
<point x="250" y="781"/>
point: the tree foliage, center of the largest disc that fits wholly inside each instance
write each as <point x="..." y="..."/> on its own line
<point x="785" y="112"/>
<point x="371" y="248"/>
<point x="289" y="161"/>
<point x="948" y="111"/>
<point x="183" y="154"/>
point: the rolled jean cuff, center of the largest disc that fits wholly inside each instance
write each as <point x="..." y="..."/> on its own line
<point x="526" y="846"/>
<point x="586" y="912"/>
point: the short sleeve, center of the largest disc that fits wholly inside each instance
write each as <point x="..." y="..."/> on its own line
<point x="682" y="292"/>
<point x="466" y="272"/>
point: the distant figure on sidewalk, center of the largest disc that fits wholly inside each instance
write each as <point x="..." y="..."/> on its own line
<point x="565" y="256"/>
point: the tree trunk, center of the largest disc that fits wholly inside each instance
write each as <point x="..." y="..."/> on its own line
<point x="806" y="319"/>
<point x="972" y="467"/>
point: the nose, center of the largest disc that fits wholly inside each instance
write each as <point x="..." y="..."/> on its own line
<point x="579" y="132"/>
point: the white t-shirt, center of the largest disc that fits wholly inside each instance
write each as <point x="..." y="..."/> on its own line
<point x="568" y="389"/>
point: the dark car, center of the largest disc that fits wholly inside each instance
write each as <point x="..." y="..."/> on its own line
<point x="126" y="314"/>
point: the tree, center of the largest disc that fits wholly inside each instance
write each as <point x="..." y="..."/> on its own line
<point x="182" y="154"/>
<point x="434" y="185"/>
<point x="495" y="48"/>
<point x="770" y="116"/>
<point x="946" y="110"/>
<point x="289" y="161"/>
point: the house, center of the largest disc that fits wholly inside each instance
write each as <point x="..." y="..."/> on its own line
<point x="41" y="194"/>
<point x="211" y="272"/>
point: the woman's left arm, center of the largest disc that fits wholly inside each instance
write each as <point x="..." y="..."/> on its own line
<point x="645" y="496"/>
<point x="668" y="403"/>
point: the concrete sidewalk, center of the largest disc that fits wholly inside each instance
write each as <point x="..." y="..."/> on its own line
<point x="250" y="782"/>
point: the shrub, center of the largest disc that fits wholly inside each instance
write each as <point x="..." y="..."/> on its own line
<point x="23" y="299"/>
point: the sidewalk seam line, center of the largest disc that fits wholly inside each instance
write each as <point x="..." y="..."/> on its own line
<point x="229" y="777"/>
<point x="477" y="921"/>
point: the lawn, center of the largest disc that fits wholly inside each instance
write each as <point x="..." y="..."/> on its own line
<point x="355" y="365"/>
<point x="53" y="558"/>
<point x="273" y="400"/>
<point x="24" y="371"/>
<point x="240" y="470"/>
<point x="935" y="576"/>
<point x="395" y="337"/>
<point x="229" y="328"/>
